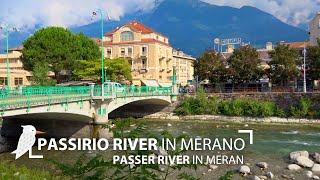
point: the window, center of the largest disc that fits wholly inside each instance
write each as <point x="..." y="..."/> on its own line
<point x="3" y="81"/>
<point x="18" y="81"/>
<point x="126" y="36"/>
<point x="109" y="52"/>
<point x="130" y="51"/>
<point x="144" y="51"/>
<point x="144" y="64"/>
<point x="123" y="51"/>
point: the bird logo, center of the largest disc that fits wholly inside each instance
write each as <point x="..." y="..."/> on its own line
<point x="26" y="141"/>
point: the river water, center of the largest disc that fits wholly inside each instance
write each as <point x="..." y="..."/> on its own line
<point x="272" y="144"/>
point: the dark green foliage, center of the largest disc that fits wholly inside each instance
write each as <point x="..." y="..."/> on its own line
<point x="283" y="66"/>
<point x="118" y="69"/>
<point x="211" y="65"/>
<point x="200" y="105"/>
<point x="58" y="48"/>
<point x="40" y="75"/>
<point x="244" y="65"/>
<point x="301" y="109"/>
<point x="313" y="61"/>
<point x="99" y="168"/>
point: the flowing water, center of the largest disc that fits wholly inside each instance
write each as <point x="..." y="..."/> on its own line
<point x="272" y="144"/>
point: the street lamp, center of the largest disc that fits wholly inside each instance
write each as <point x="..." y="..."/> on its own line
<point x="304" y="69"/>
<point x="7" y="28"/>
<point x="105" y="73"/>
<point x="102" y="15"/>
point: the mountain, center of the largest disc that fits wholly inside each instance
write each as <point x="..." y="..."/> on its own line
<point x="191" y="25"/>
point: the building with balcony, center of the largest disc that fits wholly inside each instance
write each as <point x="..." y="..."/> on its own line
<point x="315" y="30"/>
<point x="149" y="53"/>
<point x="184" y="67"/>
<point x="17" y="75"/>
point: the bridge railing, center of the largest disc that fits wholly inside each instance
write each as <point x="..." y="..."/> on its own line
<point x="126" y="91"/>
<point x="41" y="95"/>
<point x="130" y="91"/>
<point x="46" y="95"/>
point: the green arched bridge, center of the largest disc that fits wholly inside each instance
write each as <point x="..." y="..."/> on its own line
<point x="94" y="101"/>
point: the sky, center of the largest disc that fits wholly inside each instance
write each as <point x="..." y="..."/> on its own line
<point x="27" y="14"/>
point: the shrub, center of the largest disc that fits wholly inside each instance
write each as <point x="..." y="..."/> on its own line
<point x="301" y="109"/>
<point x="239" y="107"/>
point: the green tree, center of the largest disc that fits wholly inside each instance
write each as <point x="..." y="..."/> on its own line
<point x="59" y="48"/>
<point x="210" y="65"/>
<point x="244" y="65"/>
<point x="118" y="69"/>
<point x="40" y="75"/>
<point x="313" y="60"/>
<point x="283" y="66"/>
<point x="87" y="70"/>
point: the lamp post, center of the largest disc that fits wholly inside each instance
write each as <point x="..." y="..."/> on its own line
<point x="304" y="69"/>
<point x="7" y="28"/>
<point x="102" y="15"/>
<point x="105" y="73"/>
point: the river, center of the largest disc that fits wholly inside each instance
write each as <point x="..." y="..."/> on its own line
<point x="272" y="144"/>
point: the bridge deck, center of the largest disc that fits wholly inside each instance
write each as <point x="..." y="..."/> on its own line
<point x="46" y="96"/>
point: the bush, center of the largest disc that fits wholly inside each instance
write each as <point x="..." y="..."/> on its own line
<point x="301" y="109"/>
<point x="239" y="107"/>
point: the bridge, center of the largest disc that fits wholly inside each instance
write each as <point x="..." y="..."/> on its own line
<point x="94" y="101"/>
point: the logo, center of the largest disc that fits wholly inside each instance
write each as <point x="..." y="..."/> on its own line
<point x="26" y="141"/>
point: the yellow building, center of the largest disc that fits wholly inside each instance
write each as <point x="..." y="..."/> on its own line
<point x="149" y="53"/>
<point x="184" y="67"/>
<point x="18" y="76"/>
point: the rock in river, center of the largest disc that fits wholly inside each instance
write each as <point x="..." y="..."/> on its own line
<point x="316" y="157"/>
<point x="304" y="161"/>
<point x="255" y="178"/>
<point x="308" y="174"/>
<point x="294" y="155"/>
<point x="263" y="165"/>
<point x="270" y="175"/>
<point x="294" y="167"/>
<point x="244" y="169"/>
<point x="316" y="168"/>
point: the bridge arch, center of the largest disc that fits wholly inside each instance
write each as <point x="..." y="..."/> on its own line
<point x="137" y="107"/>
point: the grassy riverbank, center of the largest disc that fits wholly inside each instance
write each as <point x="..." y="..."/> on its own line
<point x="202" y="105"/>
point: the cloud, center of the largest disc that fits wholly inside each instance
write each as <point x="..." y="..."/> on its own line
<point x="294" y="12"/>
<point x="28" y="14"/>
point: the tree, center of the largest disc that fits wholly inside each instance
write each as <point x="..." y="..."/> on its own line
<point x="118" y="69"/>
<point x="313" y="60"/>
<point x="88" y="70"/>
<point x="40" y="75"/>
<point x="210" y="65"/>
<point x="59" y="48"/>
<point x="283" y="66"/>
<point x="244" y="65"/>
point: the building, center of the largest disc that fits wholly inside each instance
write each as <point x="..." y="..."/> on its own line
<point x="18" y="76"/>
<point x="315" y="30"/>
<point x="263" y="52"/>
<point x="184" y="67"/>
<point x="149" y="52"/>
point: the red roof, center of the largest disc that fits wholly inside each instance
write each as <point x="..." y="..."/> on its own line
<point x="137" y="26"/>
<point x="297" y="45"/>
